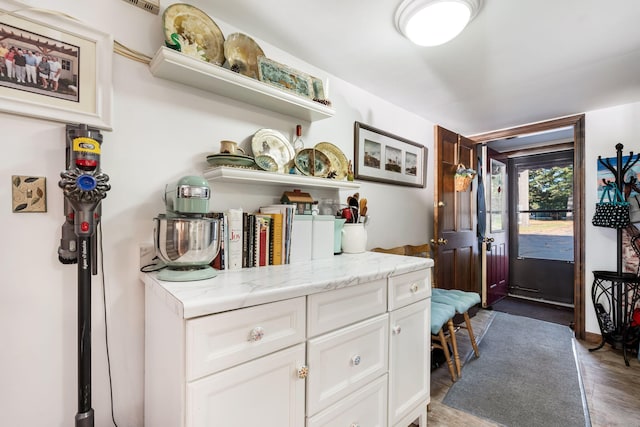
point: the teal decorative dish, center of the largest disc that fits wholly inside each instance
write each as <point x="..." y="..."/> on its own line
<point x="283" y="77"/>
<point x="312" y="162"/>
<point x="233" y="160"/>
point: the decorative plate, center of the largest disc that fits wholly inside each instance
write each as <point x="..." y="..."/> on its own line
<point x="242" y="53"/>
<point x="339" y="162"/>
<point x="275" y="144"/>
<point x="192" y="32"/>
<point x="283" y="77"/>
<point x="235" y="160"/>
<point x="266" y="162"/>
<point x="313" y="162"/>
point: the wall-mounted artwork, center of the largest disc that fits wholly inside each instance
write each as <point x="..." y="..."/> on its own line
<point x="383" y="157"/>
<point x="53" y="67"/>
<point x="631" y="178"/>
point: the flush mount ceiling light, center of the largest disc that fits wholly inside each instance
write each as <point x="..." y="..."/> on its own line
<point x="434" y="22"/>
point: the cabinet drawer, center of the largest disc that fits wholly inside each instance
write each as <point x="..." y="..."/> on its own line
<point x="341" y="307"/>
<point x="223" y="340"/>
<point x="365" y="407"/>
<point x="408" y="288"/>
<point x="265" y="392"/>
<point x="340" y="362"/>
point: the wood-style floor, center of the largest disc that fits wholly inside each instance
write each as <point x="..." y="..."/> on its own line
<point x="612" y="389"/>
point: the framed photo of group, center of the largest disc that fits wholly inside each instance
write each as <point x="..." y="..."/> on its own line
<point x="383" y="157"/>
<point x="53" y="67"/>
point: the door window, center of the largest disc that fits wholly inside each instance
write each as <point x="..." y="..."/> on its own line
<point x="498" y="202"/>
<point x="544" y="208"/>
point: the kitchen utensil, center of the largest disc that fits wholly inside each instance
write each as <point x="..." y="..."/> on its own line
<point x="186" y="238"/>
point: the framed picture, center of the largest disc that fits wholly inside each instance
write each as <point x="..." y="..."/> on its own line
<point x="55" y="68"/>
<point x="384" y="157"/>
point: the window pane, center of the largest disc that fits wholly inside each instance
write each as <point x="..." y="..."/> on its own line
<point x="545" y="212"/>
<point x="497" y="203"/>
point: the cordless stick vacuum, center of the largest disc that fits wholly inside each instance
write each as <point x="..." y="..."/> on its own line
<point x="84" y="186"/>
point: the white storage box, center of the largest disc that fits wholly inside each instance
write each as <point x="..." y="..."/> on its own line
<point x="301" y="238"/>
<point x="322" y="238"/>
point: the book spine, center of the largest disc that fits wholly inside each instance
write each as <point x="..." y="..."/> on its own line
<point x="245" y="239"/>
<point x="235" y="239"/>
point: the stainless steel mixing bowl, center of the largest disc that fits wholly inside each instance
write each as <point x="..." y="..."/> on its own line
<point x="186" y="242"/>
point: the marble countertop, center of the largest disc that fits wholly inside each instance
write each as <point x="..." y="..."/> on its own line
<point x="231" y="290"/>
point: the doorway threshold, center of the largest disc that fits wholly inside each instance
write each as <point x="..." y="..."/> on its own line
<point x="541" y="300"/>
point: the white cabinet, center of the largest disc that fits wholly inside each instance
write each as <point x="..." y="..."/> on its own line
<point x="409" y="360"/>
<point x="409" y="347"/>
<point x="355" y="354"/>
<point x="264" y="392"/>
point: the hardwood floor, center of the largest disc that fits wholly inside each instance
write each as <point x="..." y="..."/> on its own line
<point x="612" y="389"/>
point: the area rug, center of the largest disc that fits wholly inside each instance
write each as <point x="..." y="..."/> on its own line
<point x="526" y="376"/>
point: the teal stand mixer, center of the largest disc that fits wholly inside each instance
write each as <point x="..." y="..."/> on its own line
<point x="187" y="237"/>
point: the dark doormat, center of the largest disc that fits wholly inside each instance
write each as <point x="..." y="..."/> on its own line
<point x="535" y="310"/>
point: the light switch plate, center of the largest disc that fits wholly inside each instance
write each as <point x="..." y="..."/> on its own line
<point x="29" y="193"/>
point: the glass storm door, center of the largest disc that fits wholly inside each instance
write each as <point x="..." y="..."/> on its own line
<point x="541" y="244"/>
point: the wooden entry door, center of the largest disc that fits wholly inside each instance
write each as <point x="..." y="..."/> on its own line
<point x="455" y="242"/>
<point x="495" y="247"/>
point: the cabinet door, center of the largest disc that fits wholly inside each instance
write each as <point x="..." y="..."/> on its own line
<point x="265" y="392"/>
<point x="409" y="359"/>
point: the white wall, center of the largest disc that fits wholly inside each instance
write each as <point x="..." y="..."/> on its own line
<point x="603" y="130"/>
<point x="162" y="130"/>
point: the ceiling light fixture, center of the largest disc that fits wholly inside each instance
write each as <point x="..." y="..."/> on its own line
<point x="434" y="22"/>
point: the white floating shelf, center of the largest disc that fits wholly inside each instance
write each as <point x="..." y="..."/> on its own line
<point x="172" y="65"/>
<point x="250" y="176"/>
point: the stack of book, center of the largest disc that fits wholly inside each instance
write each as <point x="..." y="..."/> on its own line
<point x="255" y="239"/>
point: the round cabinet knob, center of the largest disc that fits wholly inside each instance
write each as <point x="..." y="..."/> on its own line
<point x="396" y="330"/>
<point x="256" y="334"/>
<point x="303" y="372"/>
<point x="354" y="425"/>
<point x="355" y="360"/>
<point x="414" y="288"/>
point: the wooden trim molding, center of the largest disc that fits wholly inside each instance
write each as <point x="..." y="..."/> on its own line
<point x="577" y="122"/>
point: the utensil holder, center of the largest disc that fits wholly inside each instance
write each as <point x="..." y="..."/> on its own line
<point x="354" y="238"/>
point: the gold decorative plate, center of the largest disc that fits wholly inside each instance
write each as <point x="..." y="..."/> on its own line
<point x="242" y="52"/>
<point x="192" y="32"/>
<point x="313" y="162"/>
<point x="339" y="162"/>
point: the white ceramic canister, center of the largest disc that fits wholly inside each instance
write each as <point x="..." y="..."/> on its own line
<point x="354" y="238"/>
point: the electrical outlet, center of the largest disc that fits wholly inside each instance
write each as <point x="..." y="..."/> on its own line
<point x="152" y="6"/>
<point x="29" y="193"/>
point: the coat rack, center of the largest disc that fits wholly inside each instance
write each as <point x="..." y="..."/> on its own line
<point x="615" y="294"/>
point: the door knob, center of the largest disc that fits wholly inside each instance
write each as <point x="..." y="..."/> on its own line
<point x="440" y="241"/>
<point x="441" y="204"/>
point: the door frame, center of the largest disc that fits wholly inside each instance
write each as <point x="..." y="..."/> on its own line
<point x="577" y="122"/>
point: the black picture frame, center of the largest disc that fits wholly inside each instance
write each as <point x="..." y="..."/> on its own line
<point x="381" y="156"/>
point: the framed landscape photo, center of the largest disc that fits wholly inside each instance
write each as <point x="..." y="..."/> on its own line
<point x="53" y="67"/>
<point x="384" y="157"/>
